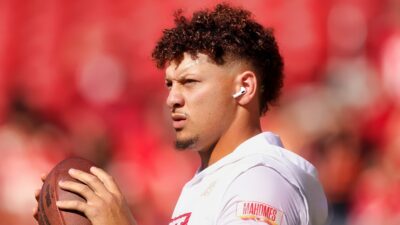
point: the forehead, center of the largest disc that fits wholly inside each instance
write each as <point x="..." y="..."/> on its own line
<point x="188" y="62"/>
<point x="203" y="64"/>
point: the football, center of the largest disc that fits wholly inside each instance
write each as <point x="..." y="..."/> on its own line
<point x="48" y="212"/>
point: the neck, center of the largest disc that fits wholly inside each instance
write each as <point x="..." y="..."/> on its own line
<point x="241" y="129"/>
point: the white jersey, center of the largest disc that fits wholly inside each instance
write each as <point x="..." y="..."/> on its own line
<point x="260" y="182"/>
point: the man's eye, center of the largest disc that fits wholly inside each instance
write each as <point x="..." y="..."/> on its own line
<point x="168" y="84"/>
<point x="189" y="81"/>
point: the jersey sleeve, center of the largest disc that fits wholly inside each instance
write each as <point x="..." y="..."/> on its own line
<point x="261" y="196"/>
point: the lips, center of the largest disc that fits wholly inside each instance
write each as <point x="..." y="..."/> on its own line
<point x="178" y="120"/>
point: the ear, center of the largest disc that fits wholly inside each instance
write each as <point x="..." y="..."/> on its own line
<point x="248" y="80"/>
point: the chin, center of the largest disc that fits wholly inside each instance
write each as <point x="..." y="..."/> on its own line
<point x="185" y="144"/>
<point x="182" y="143"/>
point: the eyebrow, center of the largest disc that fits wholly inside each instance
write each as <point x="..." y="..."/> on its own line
<point x="181" y="72"/>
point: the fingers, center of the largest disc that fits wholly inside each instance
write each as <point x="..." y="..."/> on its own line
<point x="102" y="205"/>
<point x="82" y="189"/>
<point x="92" y="181"/>
<point x="43" y="176"/>
<point x="72" y="205"/>
<point x="37" y="194"/>
<point x="35" y="213"/>
<point x="107" y="180"/>
<point x="37" y="191"/>
<point x="35" y="209"/>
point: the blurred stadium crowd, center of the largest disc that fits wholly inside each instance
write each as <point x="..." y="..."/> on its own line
<point x="76" y="77"/>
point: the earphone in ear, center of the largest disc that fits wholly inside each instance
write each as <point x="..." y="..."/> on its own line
<point x="241" y="92"/>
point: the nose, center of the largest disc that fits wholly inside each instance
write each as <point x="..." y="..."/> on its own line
<point x="175" y="98"/>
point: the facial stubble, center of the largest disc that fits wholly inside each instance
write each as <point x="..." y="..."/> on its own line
<point x="185" y="143"/>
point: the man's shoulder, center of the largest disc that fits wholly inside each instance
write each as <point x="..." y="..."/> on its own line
<point x="260" y="193"/>
<point x="261" y="180"/>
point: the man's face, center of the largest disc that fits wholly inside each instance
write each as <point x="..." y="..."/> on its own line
<point x="200" y="100"/>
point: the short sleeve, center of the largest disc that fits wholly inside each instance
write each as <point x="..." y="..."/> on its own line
<point x="261" y="195"/>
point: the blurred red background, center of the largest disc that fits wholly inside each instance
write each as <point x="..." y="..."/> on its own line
<point x="77" y="77"/>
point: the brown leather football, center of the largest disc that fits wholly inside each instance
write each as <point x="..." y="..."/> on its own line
<point x="48" y="213"/>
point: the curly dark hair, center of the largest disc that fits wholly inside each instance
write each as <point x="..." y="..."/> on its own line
<point x="221" y="32"/>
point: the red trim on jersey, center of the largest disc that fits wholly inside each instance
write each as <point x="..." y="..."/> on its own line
<point x="181" y="220"/>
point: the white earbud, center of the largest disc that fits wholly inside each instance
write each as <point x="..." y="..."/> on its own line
<point x="241" y="92"/>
